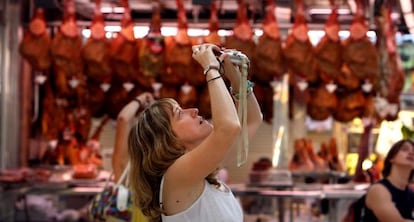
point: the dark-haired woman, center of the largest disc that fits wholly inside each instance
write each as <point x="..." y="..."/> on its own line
<point x="391" y="200"/>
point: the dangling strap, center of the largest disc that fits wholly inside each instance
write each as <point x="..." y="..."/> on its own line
<point x="124" y="175"/>
<point x="243" y="142"/>
<point x="161" y="188"/>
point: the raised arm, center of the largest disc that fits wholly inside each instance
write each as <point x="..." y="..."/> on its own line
<point x="254" y="114"/>
<point x="206" y="155"/>
<point x="124" y="122"/>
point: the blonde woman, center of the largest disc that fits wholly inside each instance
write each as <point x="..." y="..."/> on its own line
<point x="175" y="152"/>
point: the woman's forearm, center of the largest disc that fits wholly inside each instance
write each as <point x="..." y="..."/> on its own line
<point x="224" y="114"/>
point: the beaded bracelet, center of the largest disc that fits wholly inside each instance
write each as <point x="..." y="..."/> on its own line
<point x="249" y="87"/>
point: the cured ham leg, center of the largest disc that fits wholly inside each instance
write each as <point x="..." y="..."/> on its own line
<point x="152" y="51"/>
<point x="179" y="52"/>
<point x="67" y="44"/>
<point x="359" y="54"/>
<point x="124" y="50"/>
<point x="298" y="50"/>
<point x="269" y="54"/>
<point x="328" y="52"/>
<point x="242" y="38"/>
<point x="392" y="78"/>
<point x="35" y="46"/>
<point x="95" y="53"/>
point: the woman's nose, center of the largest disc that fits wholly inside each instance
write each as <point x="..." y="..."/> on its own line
<point x="194" y="112"/>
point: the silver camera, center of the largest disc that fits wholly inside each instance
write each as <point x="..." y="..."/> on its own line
<point x="236" y="57"/>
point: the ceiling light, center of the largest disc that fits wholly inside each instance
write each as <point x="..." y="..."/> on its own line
<point x="327" y="11"/>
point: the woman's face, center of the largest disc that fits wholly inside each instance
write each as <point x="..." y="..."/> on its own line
<point x="405" y="155"/>
<point x="189" y="127"/>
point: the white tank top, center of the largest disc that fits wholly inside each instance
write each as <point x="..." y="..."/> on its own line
<point x="213" y="205"/>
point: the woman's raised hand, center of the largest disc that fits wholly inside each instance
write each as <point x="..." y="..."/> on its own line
<point x="204" y="55"/>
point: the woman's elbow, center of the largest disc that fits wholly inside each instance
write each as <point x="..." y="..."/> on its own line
<point x="233" y="129"/>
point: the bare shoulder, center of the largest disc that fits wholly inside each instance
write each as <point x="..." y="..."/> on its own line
<point x="377" y="193"/>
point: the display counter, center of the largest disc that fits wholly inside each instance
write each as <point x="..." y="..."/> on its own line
<point x="332" y="192"/>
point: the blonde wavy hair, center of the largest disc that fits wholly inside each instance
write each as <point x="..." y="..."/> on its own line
<point x="153" y="147"/>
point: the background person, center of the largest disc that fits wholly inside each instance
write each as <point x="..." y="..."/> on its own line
<point x="124" y="122"/>
<point x="390" y="199"/>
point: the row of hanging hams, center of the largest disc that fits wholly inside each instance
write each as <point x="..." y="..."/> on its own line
<point x="334" y="78"/>
<point x="343" y="79"/>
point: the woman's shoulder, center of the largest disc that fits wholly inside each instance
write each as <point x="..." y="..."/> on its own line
<point x="378" y="191"/>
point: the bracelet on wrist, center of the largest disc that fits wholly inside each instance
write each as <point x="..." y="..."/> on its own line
<point x="214" y="78"/>
<point x="249" y="87"/>
<point x="211" y="67"/>
<point x="138" y="101"/>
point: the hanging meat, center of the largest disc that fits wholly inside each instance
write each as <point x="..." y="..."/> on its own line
<point x="301" y="160"/>
<point x="124" y="50"/>
<point x="178" y="52"/>
<point x="204" y="103"/>
<point x="329" y="152"/>
<point x="35" y="46"/>
<point x="152" y="51"/>
<point x="392" y="78"/>
<point x="197" y="79"/>
<point x="242" y="38"/>
<point x="213" y="26"/>
<point x="67" y="44"/>
<point x="322" y="103"/>
<point x="264" y="95"/>
<point x="53" y="114"/>
<point x="328" y="52"/>
<point x="360" y="54"/>
<point x="269" y="54"/>
<point x="350" y="106"/>
<point x="298" y="50"/>
<point x="346" y="79"/>
<point x="318" y="162"/>
<point x="168" y="91"/>
<point x="187" y="96"/>
<point x="95" y="53"/>
<point x="97" y="94"/>
<point x="116" y="98"/>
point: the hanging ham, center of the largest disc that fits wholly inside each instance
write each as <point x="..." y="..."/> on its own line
<point x="242" y="38"/>
<point x="392" y="77"/>
<point x="350" y="106"/>
<point x="96" y="99"/>
<point x="178" y="52"/>
<point x="35" y="46"/>
<point x="213" y="26"/>
<point x="188" y="96"/>
<point x="197" y="78"/>
<point x="360" y="54"/>
<point x="328" y="51"/>
<point x="67" y="44"/>
<point x="124" y="50"/>
<point x="269" y="60"/>
<point x="264" y="95"/>
<point x="322" y="103"/>
<point x="152" y="51"/>
<point x="52" y="114"/>
<point x="298" y="50"/>
<point x="95" y="53"/>
<point x="116" y="98"/>
<point x="204" y="103"/>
